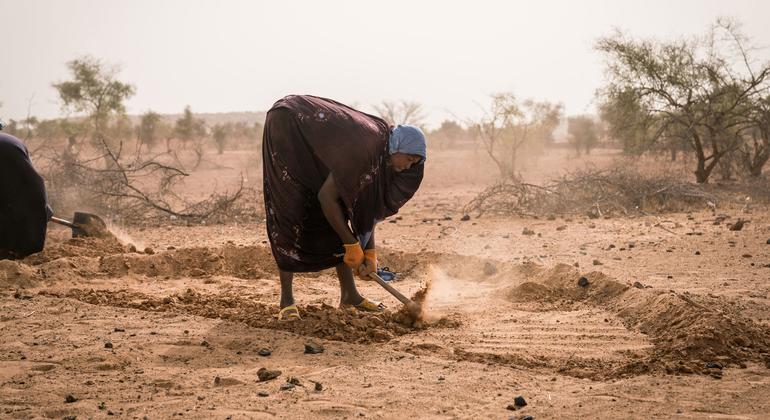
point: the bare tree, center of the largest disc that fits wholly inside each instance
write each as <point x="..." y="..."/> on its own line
<point x="508" y="125"/>
<point x="402" y="112"/>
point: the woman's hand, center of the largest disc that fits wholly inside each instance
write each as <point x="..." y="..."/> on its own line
<point x="370" y="264"/>
<point x="354" y="256"/>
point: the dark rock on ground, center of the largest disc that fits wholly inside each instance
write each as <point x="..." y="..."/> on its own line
<point x="319" y="387"/>
<point x="465" y="218"/>
<point x="264" y="352"/>
<point x="738" y="225"/>
<point x="287" y="386"/>
<point x="312" y="347"/>
<point x="108" y="345"/>
<point x="70" y="398"/>
<point x="265" y="374"/>
<point x="489" y="269"/>
<point x="518" y="402"/>
<point x="583" y="282"/>
<point x="263" y="394"/>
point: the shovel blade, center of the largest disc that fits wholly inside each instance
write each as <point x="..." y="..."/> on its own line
<point x="89" y="225"/>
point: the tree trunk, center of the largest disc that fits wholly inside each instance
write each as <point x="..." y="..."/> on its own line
<point x="701" y="173"/>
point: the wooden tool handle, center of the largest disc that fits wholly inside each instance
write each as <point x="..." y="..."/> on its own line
<point x="64" y="222"/>
<point x="405" y="300"/>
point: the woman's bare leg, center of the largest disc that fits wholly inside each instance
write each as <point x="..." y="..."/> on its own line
<point x="287" y="294"/>
<point x="348" y="293"/>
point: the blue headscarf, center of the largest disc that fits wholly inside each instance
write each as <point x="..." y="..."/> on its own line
<point x="407" y="139"/>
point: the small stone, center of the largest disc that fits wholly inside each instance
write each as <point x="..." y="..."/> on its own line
<point x="217" y="381"/>
<point x="287" y="386"/>
<point x="597" y="262"/>
<point x="70" y="399"/>
<point x="519" y="401"/>
<point x="205" y="343"/>
<point x="583" y="282"/>
<point x="768" y="242"/>
<point x="638" y="285"/>
<point x="263" y="394"/>
<point x="149" y="251"/>
<point x="313" y="348"/>
<point x="527" y="418"/>
<point x="69" y="418"/>
<point x="489" y="269"/>
<point x="117" y="329"/>
<point x="131" y="248"/>
<point x="265" y="374"/>
<point x="562" y="227"/>
<point x="738" y="225"/>
<point x="441" y="378"/>
<point x="319" y="387"/>
<point x="747" y="256"/>
<point x="465" y="218"/>
<point x="108" y="345"/>
<point x="697" y="252"/>
<point x="713" y="365"/>
<point x="294" y="381"/>
<point x="201" y="398"/>
<point x="264" y="352"/>
<point x="527" y="232"/>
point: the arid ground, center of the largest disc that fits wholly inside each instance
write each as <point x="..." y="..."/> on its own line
<point x="671" y="318"/>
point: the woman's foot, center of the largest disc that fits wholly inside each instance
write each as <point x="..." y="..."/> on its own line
<point x="288" y="314"/>
<point x="366" y="305"/>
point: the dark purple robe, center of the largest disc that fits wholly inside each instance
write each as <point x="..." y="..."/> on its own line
<point x="305" y="139"/>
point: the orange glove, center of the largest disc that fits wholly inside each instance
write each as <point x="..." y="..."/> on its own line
<point x="369" y="265"/>
<point x="354" y="256"/>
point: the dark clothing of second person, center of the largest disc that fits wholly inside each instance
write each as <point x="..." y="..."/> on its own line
<point x="24" y="209"/>
<point x="306" y="138"/>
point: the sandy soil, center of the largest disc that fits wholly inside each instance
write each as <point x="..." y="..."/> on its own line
<point x="672" y="319"/>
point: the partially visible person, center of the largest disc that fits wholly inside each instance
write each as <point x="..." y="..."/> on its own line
<point x="24" y="209"/>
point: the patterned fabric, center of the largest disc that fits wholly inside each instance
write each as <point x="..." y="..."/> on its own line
<point x="24" y="210"/>
<point x="305" y="139"/>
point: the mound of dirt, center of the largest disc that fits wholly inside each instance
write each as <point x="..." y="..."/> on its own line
<point x="243" y="262"/>
<point x="322" y="321"/>
<point x="77" y="247"/>
<point x="688" y="331"/>
<point x="14" y="274"/>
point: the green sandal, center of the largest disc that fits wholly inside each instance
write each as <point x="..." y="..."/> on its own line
<point x="288" y="314"/>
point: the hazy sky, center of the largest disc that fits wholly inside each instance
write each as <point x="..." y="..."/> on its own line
<point x="222" y="55"/>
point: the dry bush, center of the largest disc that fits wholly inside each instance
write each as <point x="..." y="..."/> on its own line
<point x="595" y="193"/>
<point x="136" y="187"/>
